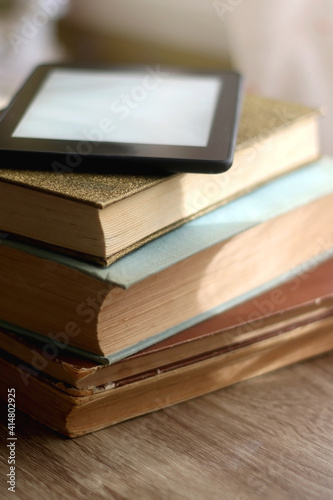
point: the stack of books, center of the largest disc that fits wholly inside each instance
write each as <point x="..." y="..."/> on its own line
<point x="122" y="295"/>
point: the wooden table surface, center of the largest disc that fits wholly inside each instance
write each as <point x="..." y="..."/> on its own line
<point x="270" y="437"/>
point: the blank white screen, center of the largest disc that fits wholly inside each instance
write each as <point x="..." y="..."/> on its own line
<point x="146" y="107"/>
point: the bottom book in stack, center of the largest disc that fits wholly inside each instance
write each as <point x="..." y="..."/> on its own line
<point x="75" y="396"/>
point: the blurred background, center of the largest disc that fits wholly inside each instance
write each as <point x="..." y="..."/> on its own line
<point x="283" y="48"/>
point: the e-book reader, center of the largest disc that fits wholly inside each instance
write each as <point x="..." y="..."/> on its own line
<point x="149" y="118"/>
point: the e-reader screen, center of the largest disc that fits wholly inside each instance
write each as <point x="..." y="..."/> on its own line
<point x="181" y="121"/>
<point x="173" y="110"/>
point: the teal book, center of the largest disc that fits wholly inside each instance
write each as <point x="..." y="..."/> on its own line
<point x="203" y="268"/>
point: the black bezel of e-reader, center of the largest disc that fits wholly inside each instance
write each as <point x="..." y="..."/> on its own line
<point x="49" y="154"/>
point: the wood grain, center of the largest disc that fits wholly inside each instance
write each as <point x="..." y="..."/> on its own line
<point x="270" y="437"/>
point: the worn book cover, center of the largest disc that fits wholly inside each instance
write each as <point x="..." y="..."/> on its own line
<point x="205" y="267"/>
<point x="305" y="298"/>
<point x="101" y="217"/>
<point x="74" y="412"/>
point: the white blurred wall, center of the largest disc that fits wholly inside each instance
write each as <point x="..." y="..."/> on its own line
<point x="27" y="38"/>
<point x="284" y="48"/>
<point x="186" y="24"/>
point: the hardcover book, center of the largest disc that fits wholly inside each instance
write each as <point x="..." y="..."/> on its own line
<point x="203" y="268"/>
<point x="304" y="299"/>
<point x="101" y="217"/>
<point x="75" y="412"/>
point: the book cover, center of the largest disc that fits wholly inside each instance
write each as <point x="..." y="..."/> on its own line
<point x="102" y="217"/>
<point x="203" y="268"/>
<point x="303" y="299"/>
<point x="74" y="413"/>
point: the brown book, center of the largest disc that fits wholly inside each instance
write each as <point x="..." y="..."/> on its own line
<point x="304" y="299"/>
<point x="102" y="217"/>
<point x="75" y="412"/>
<point x="204" y="267"/>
